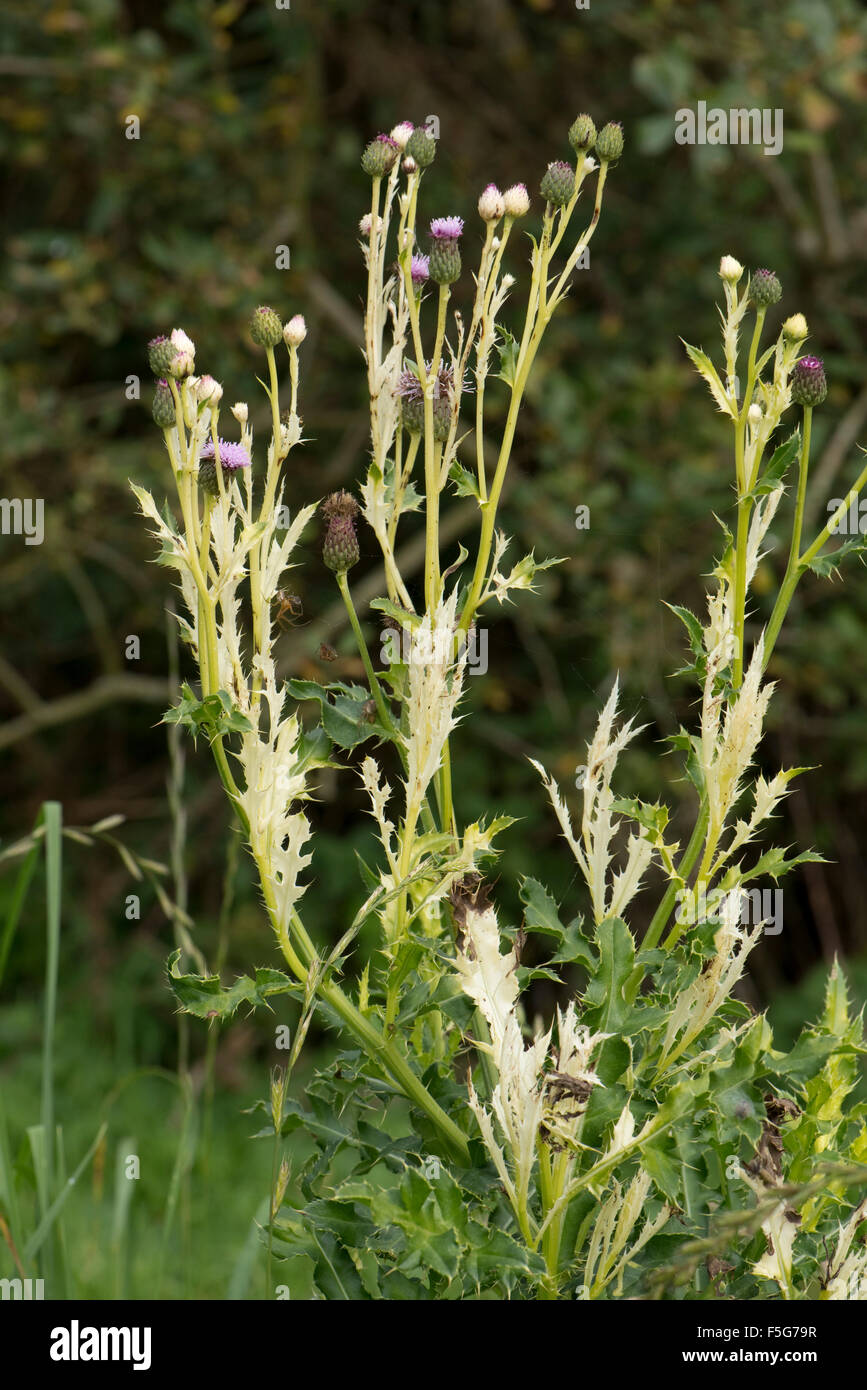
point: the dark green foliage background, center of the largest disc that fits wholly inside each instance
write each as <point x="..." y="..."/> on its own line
<point x="252" y="119"/>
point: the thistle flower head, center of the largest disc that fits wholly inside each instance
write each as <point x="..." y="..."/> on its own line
<point x="807" y="382"/>
<point x="295" y="331"/>
<point x="730" y="270"/>
<point x="340" y="546"/>
<point x="379" y="156"/>
<point x="582" y="133"/>
<point x="163" y="407"/>
<point x="609" y="143"/>
<point x="491" y="204"/>
<point x="266" y="329"/>
<point x="765" y="289"/>
<point x="516" y="200"/>
<point x="401" y="133"/>
<point x="558" y="183"/>
<point x="444" y="262"/>
<point x="411" y="391"/>
<point x="183" y="354"/>
<point x="160" y="354"/>
<point x="447" y="228"/>
<point x="232" y="457"/>
<point x="419" y="270"/>
<point x="421" y="147"/>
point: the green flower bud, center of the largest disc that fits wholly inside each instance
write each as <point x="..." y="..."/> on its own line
<point x="444" y="261"/>
<point x="379" y="156"/>
<point x="609" y="143"/>
<point x="163" y="407"/>
<point x="161" y="353"/>
<point x="765" y="289"/>
<point x="582" y="133"/>
<point x="421" y="147"/>
<point x="807" y="382"/>
<point x="340" y="547"/>
<point x="412" y="416"/>
<point x="558" y="183"/>
<point x="266" y="330"/>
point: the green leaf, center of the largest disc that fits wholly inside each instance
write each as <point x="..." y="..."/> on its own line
<point x="204" y="996"/>
<point x="345" y="711"/>
<point x="466" y="484"/>
<point x="778" y="467"/>
<point x="610" y="993"/>
<point x="214" y="713"/>
<point x="775" y="864"/>
<point x="508" y="349"/>
<point x="541" y="916"/>
<point x="826" y="564"/>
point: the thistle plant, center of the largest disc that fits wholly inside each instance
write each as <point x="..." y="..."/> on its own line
<point x="649" y="1137"/>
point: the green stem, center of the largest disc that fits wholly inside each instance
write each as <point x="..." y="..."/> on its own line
<point x="375" y="688"/>
<point x="796" y="564"/>
<point x="372" y="1040"/>
<point x="744" y="505"/>
<point x="660" y="918"/>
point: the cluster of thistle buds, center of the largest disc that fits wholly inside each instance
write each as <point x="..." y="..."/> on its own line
<point x="172" y="360"/>
<point x="558" y="182"/>
<point x="807" y="382"/>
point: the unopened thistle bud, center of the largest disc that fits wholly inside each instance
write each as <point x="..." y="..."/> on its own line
<point x="795" y="328"/>
<point x="516" y="200"/>
<point x="558" y="183"/>
<point x="409" y="165"/>
<point x="755" y="415"/>
<point x="765" y="289"/>
<point x="365" y="225"/>
<point x="492" y="204"/>
<point x="444" y="262"/>
<point x="160" y="354"/>
<point x="401" y="133"/>
<point x="730" y="270"/>
<point x="582" y="133"/>
<point x="208" y="391"/>
<point x="609" y="143"/>
<point x="183" y="358"/>
<point x="266" y="330"/>
<point x="340" y="546"/>
<point x="421" y="147"/>
<point x="232" y="458"/>
<point x="295" y="331"/>
<point x="379" y="156"/>
<point x="240" y="412"/>
<point x="163" y="408"/>
<point x="807" y="382"/>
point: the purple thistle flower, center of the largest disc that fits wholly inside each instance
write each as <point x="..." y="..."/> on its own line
<point x="420" y="269"/>
<point x="387" y="140"/>
<point x="232" y="456"/>
<point x="447" y="228"/>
